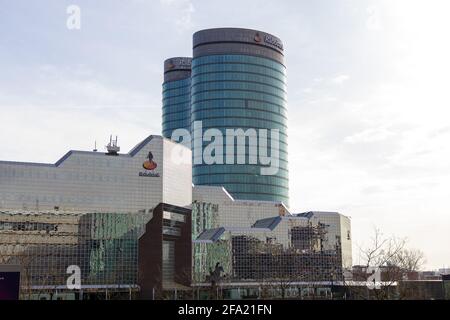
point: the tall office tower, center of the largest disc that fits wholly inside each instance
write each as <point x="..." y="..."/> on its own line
<point x="239" y="82"/>
<point x="176" y="112"/>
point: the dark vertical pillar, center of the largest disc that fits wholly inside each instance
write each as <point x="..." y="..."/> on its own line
<point x="150" y="256"/>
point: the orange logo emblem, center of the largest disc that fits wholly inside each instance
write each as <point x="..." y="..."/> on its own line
<point x="149" y="164"/>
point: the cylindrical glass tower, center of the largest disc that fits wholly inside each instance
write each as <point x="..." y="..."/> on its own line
<point x="239" y="82"/>
<point x="176" y="113"/>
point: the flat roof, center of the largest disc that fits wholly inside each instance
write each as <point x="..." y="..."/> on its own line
<point x="131" y="153"/>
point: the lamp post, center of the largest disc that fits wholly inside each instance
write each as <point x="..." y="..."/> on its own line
<point x="332" y="283"/>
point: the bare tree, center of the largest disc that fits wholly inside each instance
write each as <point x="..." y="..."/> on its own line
<point x="393" y="260"/>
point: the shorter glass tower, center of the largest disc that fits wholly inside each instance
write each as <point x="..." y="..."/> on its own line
<point x="176" y="112"/>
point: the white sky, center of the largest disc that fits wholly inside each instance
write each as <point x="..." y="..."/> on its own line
<point x="368" y="92"/>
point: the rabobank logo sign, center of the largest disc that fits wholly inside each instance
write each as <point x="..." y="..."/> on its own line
<point x="149" y="165"/>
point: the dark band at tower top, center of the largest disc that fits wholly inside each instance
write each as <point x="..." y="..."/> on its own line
<point x="238" y="41"/>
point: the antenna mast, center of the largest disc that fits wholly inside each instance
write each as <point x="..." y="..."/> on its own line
<point x="112" y="147"/>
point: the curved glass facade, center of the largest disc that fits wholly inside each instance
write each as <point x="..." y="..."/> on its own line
<point x="176" y="112"/>
<point x="241" y="91"/>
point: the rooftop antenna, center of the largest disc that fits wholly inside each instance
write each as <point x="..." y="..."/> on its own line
<point x="112" y="147"/>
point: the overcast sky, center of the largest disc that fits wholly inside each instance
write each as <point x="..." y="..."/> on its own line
<point x="368" y="91"/>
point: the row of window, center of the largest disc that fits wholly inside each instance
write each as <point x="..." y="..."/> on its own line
<point x="175" y="112"/>
<point x="181" y="115"/>
<point x="176" y="108"/>
<point x="277" y="156"/>
<point x="184" y="123"/>
<point x="239" y="147"/>
<point x="63" y="176"/>
<point x="39" y="171"/>
<point x="246" y="68"/>
<point x="199" y="139"/>
<point x="183" y="118"/>
<point x="99" y="266"/>
<point x="261" y="114"/>
<point x="176" y="84"/>
<point x="255" y="169"/>
<point x="231" y="88"/>
<point x="27" y="226"/>
<point x="200" y="170"/>
<point x="248" y="147"/>
<point x="245" y="124"/>
<point x="239" y="58"/>
<point x="34" y="200"/>
<point x="247" y="189"/>
<point x="275" y="67"/>
<point x="234" y="94"/>
<point x="238" y="76"/>
<point x="235" y="85"/>
<point x="240" y="104"/>
<point x="244" y="178"/>
<point x="183" y="91"/>
<point x="238" y="114"/>
<point x="183" y="99"/>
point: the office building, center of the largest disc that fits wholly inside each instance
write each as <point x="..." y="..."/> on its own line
<point x="88" y="181"/>
<point x="89" y="210"/>
<point x="338" y="234"/>
<point x="176" y="112"/>
<point x="238" y="82"/>
<point x="261" y="243"/>
<point x="214" y="207"/>
<point x="45" y="244"/>
<point x="277" y="256"/>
